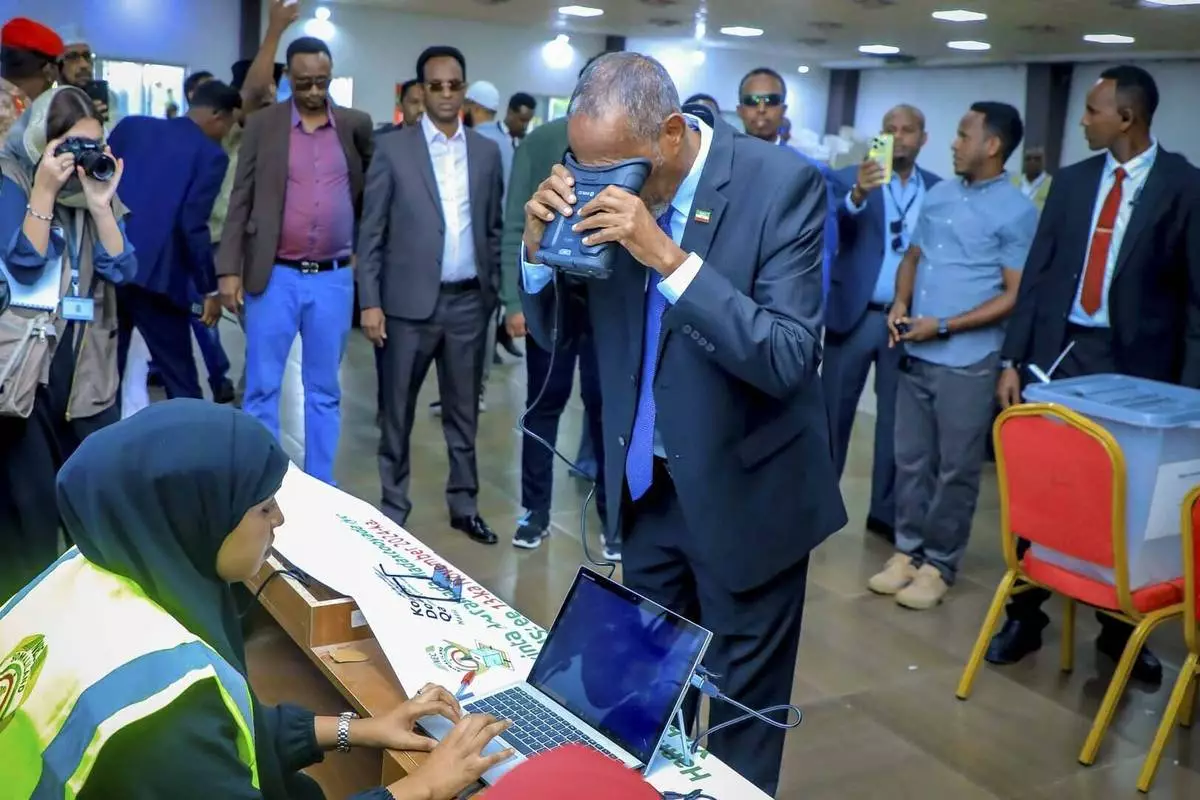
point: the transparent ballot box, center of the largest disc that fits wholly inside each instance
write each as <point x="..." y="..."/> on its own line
<point x="1157" y="426"/>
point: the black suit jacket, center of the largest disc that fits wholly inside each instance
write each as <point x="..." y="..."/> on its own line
<point x="1154" y="297"/>
<point x="402" y="233"/>
<point x="739" y="404"/>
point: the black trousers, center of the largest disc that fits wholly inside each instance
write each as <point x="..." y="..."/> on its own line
<point x="537" y="463"/>
<point x="31" y="453"/>
<point x="1091" y="355"/>
<point x="756" y="634"/>
<point x="167" y="329"/>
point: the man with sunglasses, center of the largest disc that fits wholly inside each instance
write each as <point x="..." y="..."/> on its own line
<point x="427" y="283"/>
<point x="287" y="247"/>
<point x="762" y="104"/>
<point x="875" y="224"/>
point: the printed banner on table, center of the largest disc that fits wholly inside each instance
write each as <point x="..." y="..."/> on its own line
<point x="433" y="622"/>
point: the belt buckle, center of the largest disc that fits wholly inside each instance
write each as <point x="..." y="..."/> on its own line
<point x="310" y="267"/>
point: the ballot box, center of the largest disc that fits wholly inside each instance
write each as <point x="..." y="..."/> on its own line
<point x="1157" y="426"/>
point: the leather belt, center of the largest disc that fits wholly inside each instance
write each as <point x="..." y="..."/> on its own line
<point x="309" y="267"/>
<point x="459" y="287"/>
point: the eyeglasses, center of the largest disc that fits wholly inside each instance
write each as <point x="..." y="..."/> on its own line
<point x="79" y="55"/>
<point x="450" y="585"/>
<point x="305" y="84"/>
<point x="439" y="87"/>
<point x="769" y="100"/>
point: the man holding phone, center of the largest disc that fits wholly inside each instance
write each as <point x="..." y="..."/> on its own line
<point x="875" y="221"/>
<point x="77" y="68"/>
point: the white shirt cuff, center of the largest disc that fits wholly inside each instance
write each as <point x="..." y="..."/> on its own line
<point x="535" y="276"/>
<point x="853" y="209"/>
<point x="674" y="285"/>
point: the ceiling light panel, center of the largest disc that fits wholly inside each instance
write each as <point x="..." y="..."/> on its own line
<point x="968" y="44"/>
<point x="1108" y="38"/>
<point x="580" y="11"/>
<point x="961" y="15"/>
<point x="878" y="49"/>
<point x="741" y="30"/>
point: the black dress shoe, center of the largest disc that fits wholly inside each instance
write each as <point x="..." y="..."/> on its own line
<point x="1146" y="667"/>
<point x="880" y="528"/>
<point x="475" y="528"/>
<point x="223" y="393"/>
<point x="1017" y="639"/>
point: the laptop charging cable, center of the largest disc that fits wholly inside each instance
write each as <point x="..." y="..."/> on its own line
<point x="521" y="427"/>
<point x="701" y="680"/>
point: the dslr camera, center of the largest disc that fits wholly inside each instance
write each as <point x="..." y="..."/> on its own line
<point x="89" y="154"/>
<point x="563" y="248"/>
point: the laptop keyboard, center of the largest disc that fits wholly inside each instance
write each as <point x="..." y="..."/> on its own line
<point x="535" y="728"/>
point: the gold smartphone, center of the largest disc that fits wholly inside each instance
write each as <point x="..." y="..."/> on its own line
<point x="881" y="153"/>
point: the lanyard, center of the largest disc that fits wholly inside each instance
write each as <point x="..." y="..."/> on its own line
<point x="74" y="246"/>
<point x="904" y="211"/>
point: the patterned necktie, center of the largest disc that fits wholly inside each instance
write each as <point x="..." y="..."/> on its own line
<point x="1097" y="263"/>
<point x="639" y="461"/>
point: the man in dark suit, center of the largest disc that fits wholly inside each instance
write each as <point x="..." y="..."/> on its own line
<point x="708" y="340"/>
<point x="1114" y="268"/>
<point x="288" y="244"/>
<point x="428" y="279"/>
<point x="875" y="225"/>
<point x="174" y="170"/>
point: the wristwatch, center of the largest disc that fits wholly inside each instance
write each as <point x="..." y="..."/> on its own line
<point x="1007" y="363"/>
<point x="343" y="731"/>
<point x="943" y="328"/>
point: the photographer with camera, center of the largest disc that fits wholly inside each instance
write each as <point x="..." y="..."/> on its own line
<point x="63" y="246"/>
<point x="707" y="330"/>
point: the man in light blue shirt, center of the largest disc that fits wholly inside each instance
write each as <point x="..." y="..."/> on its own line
<point x="956" y="285"/>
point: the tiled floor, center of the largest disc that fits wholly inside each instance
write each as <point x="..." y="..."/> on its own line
<point x="876" y="682"/>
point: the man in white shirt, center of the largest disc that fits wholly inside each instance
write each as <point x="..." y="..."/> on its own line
<point x="428" y="272"/>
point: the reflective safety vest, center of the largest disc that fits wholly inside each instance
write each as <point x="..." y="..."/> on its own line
<point x="83" y="654"/>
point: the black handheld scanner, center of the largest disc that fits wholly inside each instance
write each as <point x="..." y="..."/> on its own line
<point x="563" y="248"/>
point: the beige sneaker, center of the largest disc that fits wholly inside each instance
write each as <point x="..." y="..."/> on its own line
<point x="898" y="573"/>
<point x="925" y="591"/>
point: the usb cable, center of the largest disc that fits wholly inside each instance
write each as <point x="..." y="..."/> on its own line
<point x="701" y="681"/>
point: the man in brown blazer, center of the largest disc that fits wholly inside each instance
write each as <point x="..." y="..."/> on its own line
<point x="429" y="269"/>
<point x="287" y="249"/>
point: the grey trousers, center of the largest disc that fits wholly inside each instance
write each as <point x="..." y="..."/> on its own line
<point x="453" y="338"/>
<point x="943" y="418"/>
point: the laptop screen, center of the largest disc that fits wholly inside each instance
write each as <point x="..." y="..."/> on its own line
<point x="618" y="661"/>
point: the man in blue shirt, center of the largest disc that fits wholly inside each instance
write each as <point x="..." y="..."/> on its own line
<point x="173" y="173"/>
<point x="762" y="102"/>
<point x="955" y="287"/>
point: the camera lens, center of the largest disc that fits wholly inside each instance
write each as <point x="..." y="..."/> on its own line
<point x="98" y="166"/>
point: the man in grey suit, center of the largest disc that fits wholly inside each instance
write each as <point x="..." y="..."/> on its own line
<point x="428" y="273"/>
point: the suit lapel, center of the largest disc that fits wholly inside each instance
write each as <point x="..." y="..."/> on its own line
<point x="1146" y="207"/>
<point x="425" y="164"/>
<point x="277" y="156"/>
<point x="475" y="165"/>
<point x="1079" y="215"/>
<point x="709" y="203"/>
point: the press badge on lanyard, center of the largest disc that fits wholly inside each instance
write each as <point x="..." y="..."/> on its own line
<point x="76" y="308"/>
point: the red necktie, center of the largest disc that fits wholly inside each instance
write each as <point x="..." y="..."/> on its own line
<point x="1097" y="264"/>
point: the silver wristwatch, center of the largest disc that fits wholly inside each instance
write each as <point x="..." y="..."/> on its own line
<point x="343" y="731"/>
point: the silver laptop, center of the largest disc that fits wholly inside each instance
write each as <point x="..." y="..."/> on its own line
<point x="611" y="675"/>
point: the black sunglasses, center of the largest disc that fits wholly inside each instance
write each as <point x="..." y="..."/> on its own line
<point x="770" y="100"/>
<point x="437" y="87"/>
<point x="451" y="585"/>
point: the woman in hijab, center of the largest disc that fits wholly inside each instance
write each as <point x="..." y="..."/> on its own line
<point x="167" y="509"/>
<point x="54" y="218"/>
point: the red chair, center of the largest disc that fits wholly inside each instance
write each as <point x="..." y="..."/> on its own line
<point x="1062" y="486"/>
<point x="1183" y="696"/>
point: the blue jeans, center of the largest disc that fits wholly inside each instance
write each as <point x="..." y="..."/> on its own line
<point x="318" y="307"/>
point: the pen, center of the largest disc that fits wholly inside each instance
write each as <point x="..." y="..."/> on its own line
<point x="464" y="684"/>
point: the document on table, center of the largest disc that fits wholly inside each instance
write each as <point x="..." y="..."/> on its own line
<point x="430" y="632"/>
<point x="1174" y="481"/>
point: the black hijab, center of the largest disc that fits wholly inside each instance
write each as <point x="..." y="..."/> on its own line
<point x="153" y="497"/>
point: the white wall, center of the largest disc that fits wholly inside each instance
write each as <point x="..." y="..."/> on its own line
<point x="723" y="69"/>
<point x="196" y="34"/>
<point x="944" y="95"/>
<point x="1174" y="123"/>
<point x="379" y="48"/>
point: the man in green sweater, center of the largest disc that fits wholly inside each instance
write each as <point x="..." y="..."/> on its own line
<point x="538" y="153"/>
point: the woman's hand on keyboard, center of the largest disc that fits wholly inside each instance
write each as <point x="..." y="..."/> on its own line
<point x="457" y="762"/>
<point x="396" y="730"/>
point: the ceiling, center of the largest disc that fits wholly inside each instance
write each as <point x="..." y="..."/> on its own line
<point x="829" y="32"/>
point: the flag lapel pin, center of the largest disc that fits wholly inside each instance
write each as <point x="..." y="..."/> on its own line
<point x="703" y="216"/>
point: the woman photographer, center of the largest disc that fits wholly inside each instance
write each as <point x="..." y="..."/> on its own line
<point x="55" y="215"/>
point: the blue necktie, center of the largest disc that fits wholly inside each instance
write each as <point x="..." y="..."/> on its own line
<point x="639" y="461"/>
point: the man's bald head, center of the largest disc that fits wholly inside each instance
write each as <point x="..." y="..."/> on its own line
<point x="906" y="124"/>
